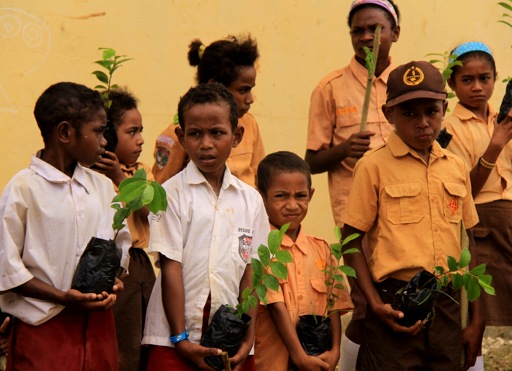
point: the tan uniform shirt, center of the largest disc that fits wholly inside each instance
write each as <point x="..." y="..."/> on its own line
<point x="471" y="137"/>
<point x="303" y="292"/>
<point x="335" y="114"/>
<point x="411" y="211"/>
<point x="171" y="158"/>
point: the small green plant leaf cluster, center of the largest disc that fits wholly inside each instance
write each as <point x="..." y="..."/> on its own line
<point x="371" y="65"/>
<point x="505" y="18"/>
<point x="136" y="192"/>
<point x="445" y="63"/>
<point x="266" y="271"/>
<point x="472" y="280"/>
<point x="110" y="62"/>
<point x="335" y="273"/>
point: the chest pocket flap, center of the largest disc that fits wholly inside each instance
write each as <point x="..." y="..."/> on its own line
<point x="453" y="195"/>
<point x="455" y="189"/>
<point x="403" y="203"/>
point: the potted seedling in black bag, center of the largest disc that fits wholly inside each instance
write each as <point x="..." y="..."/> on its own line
<point x="99" y="264"/>
<point x="416" y="300"/>
<point x="313" y="331"/>
<point x="229" y="325"/>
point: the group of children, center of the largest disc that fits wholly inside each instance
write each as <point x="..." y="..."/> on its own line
<point x="408" y="200"/>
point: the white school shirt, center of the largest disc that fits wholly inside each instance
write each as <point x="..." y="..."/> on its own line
<point x="213" y="238"/>
<point x="47" y="219"/>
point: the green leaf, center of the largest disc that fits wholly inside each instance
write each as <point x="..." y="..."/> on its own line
<point x="284" y="256"/>
<point x="445" y="281"/>
<point x="261" y="291"/>
<point x="349" y="271"/>
<point x="271" y="282"/>
<point x="439" y="270"/>
<point x="253" y="301"/>
<point x="351" y="251"/>
<point x="505" y="22"/>
<point x="452" y="264"/>
<point x="478" y="270"/>
<point x="100" y="75"/>
<point x="274" y="241"/>
<point x="264" y="255"/>
<point x="485" y="278"/>
<point x="347" y="239"/>
<point x="338" y="277"/>
<point x="279" y="269"/>
<point x="337" y="233"/>
<point x="465" y="258"/>
<point x="108" y="53"/>
<point x="159" y="198"/>
<point x="246" y="293"/>
<point x="457" y="281"/>
<point x="131" y="189"/>
<point x="147" y="195"/>
<point x="257" y="268"/>
<point x="100" y="87"/>
<point x="487" y="288"/>
<point x="505" y="5"/>
<point x="473" y="289"/>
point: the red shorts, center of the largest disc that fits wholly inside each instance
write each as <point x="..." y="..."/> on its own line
<point x="72" y="340"/>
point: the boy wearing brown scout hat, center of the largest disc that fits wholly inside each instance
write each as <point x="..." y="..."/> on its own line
<point x="415" y="196"/>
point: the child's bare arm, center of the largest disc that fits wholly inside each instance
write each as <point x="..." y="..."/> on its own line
<point x="246" y="346"/>
<point x="38" y="289"/>
<point x="332" y="356"/>
<point x="288" y="334"/>
<point x="474" y="332"/>
<point x="173" y="298"/>
<point x="324" y="160"/>
<point x="365" y="283"/>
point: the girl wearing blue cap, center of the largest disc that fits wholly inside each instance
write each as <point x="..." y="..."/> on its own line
<point x="484" y="144"/>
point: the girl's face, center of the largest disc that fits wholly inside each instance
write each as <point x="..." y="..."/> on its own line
<point x="473" y="83"/>
<point x="241" y="89"/>
<point x="362" y="31"/>
<point x="129" y="135"/>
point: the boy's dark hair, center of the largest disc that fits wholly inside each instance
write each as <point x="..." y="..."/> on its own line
<point x="221" y="60"/>
<point x="280" y="162"/>
<point x="473" y="54"/>
<point x="389" y="16"/>
<point x="212" y="92"/>
<point x="66" y="101"/>
<point x="122" y="101"/>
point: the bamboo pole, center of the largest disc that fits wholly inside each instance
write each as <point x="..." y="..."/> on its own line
<point x="371" y="63"/>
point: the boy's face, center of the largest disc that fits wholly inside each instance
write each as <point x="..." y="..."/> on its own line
<point x="362" y="31"/>
<point x="287" y="200"/>
<point x="241" y="89"/>
<point x="417" y="121"/>
<point x="87" y="144"/>
<point x="129" y="135"/>
<point x="208" y="137"/>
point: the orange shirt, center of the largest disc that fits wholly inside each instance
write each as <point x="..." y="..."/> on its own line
<point x="303" y="292"/>
<point x="335" y="114"/>
<point x="171" y="158"/>
<point x="411" y="211"/>
<point x="137" y="224"/>
<point x="471" y="137"/>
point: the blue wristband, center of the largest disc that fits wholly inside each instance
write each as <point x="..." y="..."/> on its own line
<point x="177" y="338"/>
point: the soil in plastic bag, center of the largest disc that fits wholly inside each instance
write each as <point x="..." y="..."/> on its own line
<point x="506" y="103"/>
<point x="226" y="332"/>
<point x="98" y="266"/>
<point x="417" y="298"/>
<point x="314" y="333"/>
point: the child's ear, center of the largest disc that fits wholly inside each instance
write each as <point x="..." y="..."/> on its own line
<point x="180" y="134"/>
<point x="445" y="107"/>
<point x="238" y="134"/>
<point x="311" y="193"/>
<point x="64" y="131"/>
<point x="388" y="113"/>
<point x="451" y="83"/>
<point x="396" y="34"/>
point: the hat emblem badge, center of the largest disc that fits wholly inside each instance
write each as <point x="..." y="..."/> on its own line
<point x="413" y="76"/>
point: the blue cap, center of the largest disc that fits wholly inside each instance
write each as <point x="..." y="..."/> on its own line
<point x="472" y="46"/>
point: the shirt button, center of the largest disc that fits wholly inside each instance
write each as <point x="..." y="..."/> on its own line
<point x="300" y="297"/>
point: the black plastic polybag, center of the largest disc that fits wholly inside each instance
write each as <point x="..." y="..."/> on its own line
<point x="98" y="266"/>
<point x="314" y="333"/>
<point x="226" y="332"/>
<point x="444" y="138"/>
<point x="417" y="298"/>
<point x="506" y="103"/>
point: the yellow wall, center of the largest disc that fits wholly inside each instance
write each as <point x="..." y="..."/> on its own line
<point x="43" y="42"/>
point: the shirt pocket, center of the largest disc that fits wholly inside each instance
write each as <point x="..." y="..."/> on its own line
<point x="318" y="284"/>
<point x="347" y="122"/>
<point x="452" y="201"/>
<point x="404" y="203"/>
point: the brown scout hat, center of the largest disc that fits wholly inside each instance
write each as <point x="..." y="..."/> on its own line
<point x="416" y="79"/>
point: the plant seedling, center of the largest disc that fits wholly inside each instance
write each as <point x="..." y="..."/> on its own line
<point x="137" y="192"/>
<point x="266" y="271"/>
<point x="110" y="62"/>
<point x="505" y="19"/>
<point x="335" y="272"/>
<point x="445" y="63"/>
